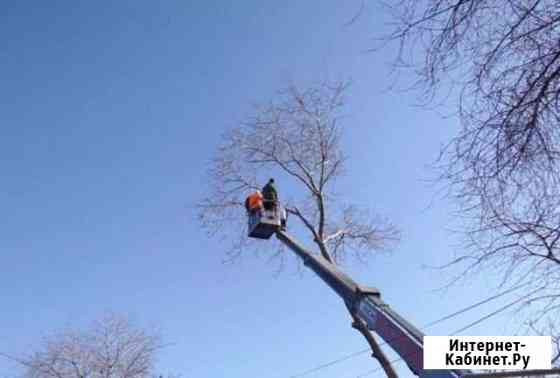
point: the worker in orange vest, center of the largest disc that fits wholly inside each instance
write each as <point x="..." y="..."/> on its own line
<point x="254" y="202"/>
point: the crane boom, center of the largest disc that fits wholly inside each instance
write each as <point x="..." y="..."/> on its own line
<point x="403" y="337"/>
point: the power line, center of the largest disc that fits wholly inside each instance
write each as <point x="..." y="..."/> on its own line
<point x="475" y="305"/>
<point x="395" y="361"/>
<point x="496" y="311"/>
<point x="480" y="320"/>
<point x="447" y="317"/>
<point x="330" y="363"/>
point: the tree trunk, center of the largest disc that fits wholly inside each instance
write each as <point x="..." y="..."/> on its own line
<point x="359" y="325"/>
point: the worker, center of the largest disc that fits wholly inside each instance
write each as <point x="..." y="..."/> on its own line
<point x="254" y="202"/>
<point x="270" y="195"/>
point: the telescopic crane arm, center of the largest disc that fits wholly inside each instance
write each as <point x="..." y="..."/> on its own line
<point x="363" y="302"/>
<point x="403" y="337"/>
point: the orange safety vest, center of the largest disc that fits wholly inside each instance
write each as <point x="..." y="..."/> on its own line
<point x="255" y="201"/>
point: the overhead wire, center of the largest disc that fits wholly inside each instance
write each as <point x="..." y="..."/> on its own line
<point x="503" y="308"/>
<point x="430" y="324"/>
<point x="330" y="363"/>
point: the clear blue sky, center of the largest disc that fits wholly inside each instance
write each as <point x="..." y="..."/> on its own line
<point x="109" y="112"/>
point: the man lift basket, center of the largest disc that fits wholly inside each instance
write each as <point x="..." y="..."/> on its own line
<point x="263" y="220"/>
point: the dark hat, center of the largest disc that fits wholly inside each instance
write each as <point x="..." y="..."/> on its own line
<point x="271" y="180"/>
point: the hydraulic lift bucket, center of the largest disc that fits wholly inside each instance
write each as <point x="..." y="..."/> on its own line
<point x="263" y="223"/>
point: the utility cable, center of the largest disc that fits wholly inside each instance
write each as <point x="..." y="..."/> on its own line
<point x="330" y="363"/>
<point x="503" y="308"/>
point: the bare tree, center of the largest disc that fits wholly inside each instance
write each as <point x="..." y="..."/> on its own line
<point x="296" y="137"/>
<point x="549" y="327"/>
<point x="112" y="348"/>
<point x="503" y="165"/>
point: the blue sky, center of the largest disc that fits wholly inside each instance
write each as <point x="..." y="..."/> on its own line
<point x="109" y="114"/>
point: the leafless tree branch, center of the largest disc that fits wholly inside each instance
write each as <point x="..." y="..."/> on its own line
<point x="297" y="137"/>
<point x="112" y="348"/>
<point x="503" y="165"/>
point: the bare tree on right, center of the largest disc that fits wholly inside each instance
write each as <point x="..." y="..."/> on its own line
<point x="503" y="165"/>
